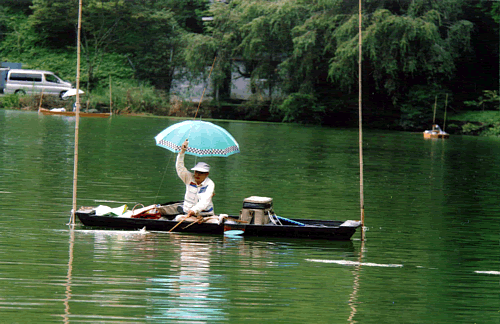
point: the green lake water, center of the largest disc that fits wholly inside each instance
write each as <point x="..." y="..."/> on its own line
<point x="431" y="254"/>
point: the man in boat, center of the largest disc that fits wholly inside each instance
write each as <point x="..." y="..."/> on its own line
<point x="199" y="187"/>
<point x="438" y="129"/>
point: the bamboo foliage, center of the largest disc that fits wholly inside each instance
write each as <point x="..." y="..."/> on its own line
<point x="291" y="48"/>
<point x="401" y="49"/>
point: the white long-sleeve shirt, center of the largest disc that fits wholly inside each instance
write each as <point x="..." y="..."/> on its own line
<point x="198" y="198"/>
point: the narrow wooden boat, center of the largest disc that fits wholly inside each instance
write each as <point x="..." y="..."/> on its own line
<point x="72" y="113"/>
<point x="311" y="229"/>
<point x="435" y="135"/>
<point x="436" y="132"/>
<point x="257" y="218"/>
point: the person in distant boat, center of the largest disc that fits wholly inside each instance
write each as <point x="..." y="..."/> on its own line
<point x="199" y="187"/>
<point x="438" y="129"/>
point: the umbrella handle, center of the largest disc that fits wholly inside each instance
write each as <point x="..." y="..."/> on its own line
<point x="185" y="145"/>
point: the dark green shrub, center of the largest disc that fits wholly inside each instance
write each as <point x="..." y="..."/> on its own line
<point x="10" y="101"/>
<point x="302" y="108"/>
<point x="129" y="98"/>
<point x="417" y="111"/>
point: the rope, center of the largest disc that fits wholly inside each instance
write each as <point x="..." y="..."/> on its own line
<point x="276" y="220"/>
<point x="289" y="220"/>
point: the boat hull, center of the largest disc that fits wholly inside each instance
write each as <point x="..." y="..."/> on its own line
<point x="72" y="113"/>
<point x="314" y="229"/>
<point x="430" y="135"/>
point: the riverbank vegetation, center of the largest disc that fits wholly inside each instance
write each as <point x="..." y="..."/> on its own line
<point x="299" y="56"/>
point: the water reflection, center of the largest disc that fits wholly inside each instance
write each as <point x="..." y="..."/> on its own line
<point x="105" y="287"/>
<point x="205" y="279"/>
<point x="69" y="276"/>
<point x="353" y="298"/>
<point x="187" y="293"/>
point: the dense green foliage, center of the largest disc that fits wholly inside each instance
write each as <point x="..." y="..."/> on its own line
<point x="301" y="55"/>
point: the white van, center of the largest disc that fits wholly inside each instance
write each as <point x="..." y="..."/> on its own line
<point x="20" y="81"/>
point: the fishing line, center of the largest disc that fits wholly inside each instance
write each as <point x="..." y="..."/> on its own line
<point x="194" y="118"/>
<point x="162" y="178"/>
<point x="201" y="99"/>
<point x="199" y="103"/>
<point x="202" y="94"/>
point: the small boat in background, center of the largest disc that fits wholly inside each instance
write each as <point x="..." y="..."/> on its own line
<point x="63" y="112"/>
<point x="436" y="132"/>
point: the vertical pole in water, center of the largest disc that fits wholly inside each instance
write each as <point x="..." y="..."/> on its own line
<point x="445" y="106"/>
<point x="77" y="123"/>
<point x="110" y="97"/>
<point x="41" y="99"/>
<point x="362" y="199"/>
<point x="434" y="116"/>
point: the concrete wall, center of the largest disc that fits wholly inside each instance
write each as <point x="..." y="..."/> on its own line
<point x="240" y="88"/>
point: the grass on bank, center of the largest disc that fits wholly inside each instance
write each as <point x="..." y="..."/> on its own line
<point x="478" y="117"/>
<point x="125" y="99"/>
<point x="484" y="123"/>
<point x="145" y="100"/>
<point x="134" y="99"/>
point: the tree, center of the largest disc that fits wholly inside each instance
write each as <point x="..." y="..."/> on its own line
<point x="402" y="51"/>
<point x="187" y="13"/>
<point x="256" y="34"/>
<point x="141" y="31"/>
<point x="298" y="51"/>
<point x="213" y="48"/>
<point x="103" y="24"/>
<point x="478" y="70"/>
<point x="154" y="44"/>
<point x="54" y="22"/>
<point x="15" y="33"/>
<point x="266" y="40"/>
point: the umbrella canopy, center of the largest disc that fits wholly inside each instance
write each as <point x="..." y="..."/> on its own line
<point x="205" y="139"/>
<point x="71" y="92"/>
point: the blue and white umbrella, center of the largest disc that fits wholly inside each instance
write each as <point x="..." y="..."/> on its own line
<point x="205" y="139"/>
